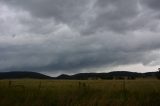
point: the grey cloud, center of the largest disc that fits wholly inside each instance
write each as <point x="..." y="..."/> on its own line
<point x="50" y="34"/>
<point x="109" y="14"/>
<point x="60" y="10"/>
<point x="154" y="4"/>
<point x="115" y="15"/>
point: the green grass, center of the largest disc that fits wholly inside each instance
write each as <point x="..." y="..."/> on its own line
<point x="29" y="92"/>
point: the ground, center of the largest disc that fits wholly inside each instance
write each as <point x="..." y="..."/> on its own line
<point x="29" y="92"/>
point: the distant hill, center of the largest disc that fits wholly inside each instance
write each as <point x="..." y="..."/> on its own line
<point x="22" y="74"/>
<point x="78" y="76"/>
<point x="110" y="75"/>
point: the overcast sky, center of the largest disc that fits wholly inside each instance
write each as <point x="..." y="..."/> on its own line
<point x="71" y="36"/>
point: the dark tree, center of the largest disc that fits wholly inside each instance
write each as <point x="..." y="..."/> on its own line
<point x="158" y="74"/>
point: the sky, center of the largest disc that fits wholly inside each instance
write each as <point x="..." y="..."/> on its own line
<point x="73" y="36"/>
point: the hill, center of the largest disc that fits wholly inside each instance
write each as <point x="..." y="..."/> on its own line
<point x="110" y="75"/>
<point x="22" y="74"/>
<point x="78" y="76"/>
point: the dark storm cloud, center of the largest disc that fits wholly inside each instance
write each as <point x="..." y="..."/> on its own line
<point x="50" y="34"/>
<point x="42" y="58"/>
<point x="154" y="4"/>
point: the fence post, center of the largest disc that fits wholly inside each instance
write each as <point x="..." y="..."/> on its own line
<point x="124" y="88"/>
<point x="9" y="83"/>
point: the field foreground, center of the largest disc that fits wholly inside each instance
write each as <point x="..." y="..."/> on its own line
<point x="29" y="92"/>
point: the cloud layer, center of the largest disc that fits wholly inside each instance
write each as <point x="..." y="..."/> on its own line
<point x="70" y="36"/>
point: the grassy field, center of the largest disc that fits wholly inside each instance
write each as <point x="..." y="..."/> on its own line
<point x="29" y="92"/>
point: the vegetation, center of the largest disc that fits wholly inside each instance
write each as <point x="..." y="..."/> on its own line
<point x="29" y="92"/>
